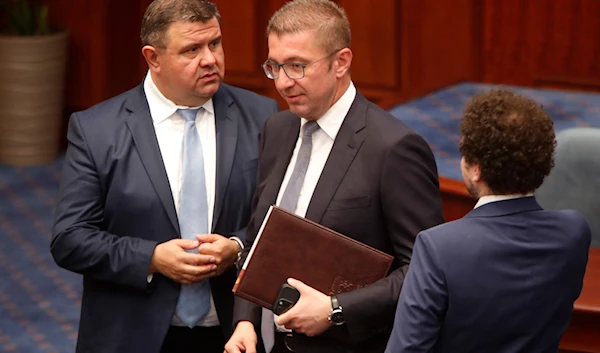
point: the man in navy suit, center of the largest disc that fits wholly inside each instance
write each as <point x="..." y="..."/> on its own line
<point x="504" y="277"/>
<point x="132" y="164"/>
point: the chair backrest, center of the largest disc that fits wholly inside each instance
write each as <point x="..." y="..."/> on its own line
<point x="574" y="183"/>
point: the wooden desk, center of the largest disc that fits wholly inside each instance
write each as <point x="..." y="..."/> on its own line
<point x="583" y="334"/>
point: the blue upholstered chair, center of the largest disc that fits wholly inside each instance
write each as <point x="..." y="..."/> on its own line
<point x="574" y="183"/>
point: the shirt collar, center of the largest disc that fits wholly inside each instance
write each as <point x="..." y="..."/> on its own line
<point x="162" y="108"/>
<point x="332" y="120"/>
<point x="493" y="198"/>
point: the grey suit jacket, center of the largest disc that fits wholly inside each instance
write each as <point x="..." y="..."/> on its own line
<point x="380" y="187"/>
<point x="115" y="205"/>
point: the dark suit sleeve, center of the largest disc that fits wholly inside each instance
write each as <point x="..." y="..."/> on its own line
<point x="422" y="304"/>
<point x="410" y="202"/>
<point x="272" y="109"/>
<point x="78" y="243"/>
<point x="245" y="310"/>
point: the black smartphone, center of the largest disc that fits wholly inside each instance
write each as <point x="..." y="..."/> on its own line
<point x="287" y="297"/>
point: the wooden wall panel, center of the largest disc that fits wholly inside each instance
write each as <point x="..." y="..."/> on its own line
<point x="402" y="48"/>
<point x="239" y="20"/>
<point x="104" y="48"/>
<point x="542" y="43"/>
<point x="375" y="42"/>
<point x="243" y="25"/>
<point x="432" y="44"/>
<point x="439" y="45"/>
<point x="125" y="64"/>
<point x="82" y="47"/>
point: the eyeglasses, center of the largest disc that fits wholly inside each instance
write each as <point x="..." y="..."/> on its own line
<point x="294" y="71"/>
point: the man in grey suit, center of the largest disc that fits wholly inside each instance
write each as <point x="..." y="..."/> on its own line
<point x="156" y="193"/>
<point x="503" y="278"/>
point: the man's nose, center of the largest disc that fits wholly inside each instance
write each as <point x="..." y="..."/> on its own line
<point x="208" y="58"/>
<point x="283" y="81"/>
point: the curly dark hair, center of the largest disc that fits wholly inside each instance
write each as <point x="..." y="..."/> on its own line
<point x="511" y="138"/>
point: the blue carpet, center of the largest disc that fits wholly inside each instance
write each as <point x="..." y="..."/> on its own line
<point x="436" y="116"/>
<point x="40" y="303"/>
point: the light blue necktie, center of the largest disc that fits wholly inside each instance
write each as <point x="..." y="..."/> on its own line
<point x="194" y="299"/>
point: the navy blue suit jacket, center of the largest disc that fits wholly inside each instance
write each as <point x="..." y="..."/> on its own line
<point x="501" y="279"/>
<point x="115" y="205"/>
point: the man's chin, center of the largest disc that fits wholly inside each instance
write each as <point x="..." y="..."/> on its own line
<point x="207" y="91"/>
<point x="297" y="110"/>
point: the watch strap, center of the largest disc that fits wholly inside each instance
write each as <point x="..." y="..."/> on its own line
<point x="334" y="302"/>
<point x="240" y="246"/>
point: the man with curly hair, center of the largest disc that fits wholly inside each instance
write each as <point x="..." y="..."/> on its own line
<point x="504" y="277"/>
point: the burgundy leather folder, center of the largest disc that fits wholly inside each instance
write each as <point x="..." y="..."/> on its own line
<point x="291" y="246"/>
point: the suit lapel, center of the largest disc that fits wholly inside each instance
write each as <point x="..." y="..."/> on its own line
<point x="345" y="148"/>
<point x="226" y="120"/>
<point x="144" y="137"/>
<point x="284" y="155"/>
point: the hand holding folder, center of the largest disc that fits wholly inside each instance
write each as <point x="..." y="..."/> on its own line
<point x="291" y="246"/>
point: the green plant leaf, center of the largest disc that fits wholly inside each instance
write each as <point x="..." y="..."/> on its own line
<point x="26" y="17"/>
<point x="42" y="20"/>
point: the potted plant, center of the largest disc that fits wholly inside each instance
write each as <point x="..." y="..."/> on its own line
<point x="33" y="57"/>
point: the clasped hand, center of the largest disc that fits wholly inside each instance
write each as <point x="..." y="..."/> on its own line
<point x="189" y="261"/>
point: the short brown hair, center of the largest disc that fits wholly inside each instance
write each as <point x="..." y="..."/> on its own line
<point x="511" y="138"/>
<point x="161" y="13"/>
<point x="323" y="16"/>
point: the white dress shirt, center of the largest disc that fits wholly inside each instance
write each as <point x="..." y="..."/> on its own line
<point x="168" y="126"/>
<point x="483" y="200"/>
<point x="322" y="143"/>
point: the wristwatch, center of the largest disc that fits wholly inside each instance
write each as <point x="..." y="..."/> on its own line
<point x="240" y="246"/>
<point x="336" y="317"/>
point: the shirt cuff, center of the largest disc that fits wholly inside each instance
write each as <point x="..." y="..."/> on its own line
<point x="238" y="241"/>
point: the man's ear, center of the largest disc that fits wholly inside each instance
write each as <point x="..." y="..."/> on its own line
<point x="470" y="171"/>
<point x="475" y="172"/>
<point x="344" y="60"/>
<point x="151" y="55"/>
